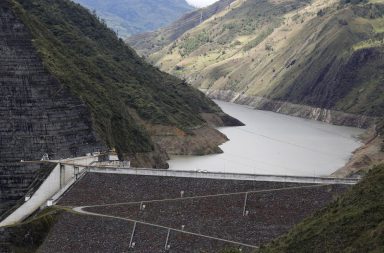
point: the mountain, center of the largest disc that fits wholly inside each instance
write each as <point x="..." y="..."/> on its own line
<point x="324" y="56"/>
<point x="70" y="86"/>
<point x="150" y="42"/>
<point x="352" y="223"/>
<point x="136" y="16"/>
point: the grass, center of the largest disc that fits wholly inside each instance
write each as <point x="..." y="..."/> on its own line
<point x="89" y="59"/>
<point x="336" y="54"/>
<point x="352" y="223"/>
<point x="378" y="24"/>
<point x="368" y="44"/>
<point x="260" y="38"/>
<point x="27" y="237"/>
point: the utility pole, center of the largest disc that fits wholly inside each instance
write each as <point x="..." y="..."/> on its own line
<point x="167" y="246"/>
<point x="131" y="243"/>
<point x="245" y="205"/>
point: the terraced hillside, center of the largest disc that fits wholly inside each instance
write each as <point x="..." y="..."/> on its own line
<point x="70" y="86"/>
<point x="272" y="54"/>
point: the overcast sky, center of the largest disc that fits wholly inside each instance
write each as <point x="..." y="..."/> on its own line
<point x="201" y="3"/>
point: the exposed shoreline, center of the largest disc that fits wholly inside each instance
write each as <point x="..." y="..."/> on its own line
<point x="302" y="111"/>
<point x="364" y="157"/>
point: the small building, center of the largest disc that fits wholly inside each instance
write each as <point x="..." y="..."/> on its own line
<point x="45" y="157"/>
<point x="108" y="157"/>
<point x="112" y="159"/>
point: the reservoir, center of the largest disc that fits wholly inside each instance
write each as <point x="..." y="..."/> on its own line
<point x="272" y="143"/>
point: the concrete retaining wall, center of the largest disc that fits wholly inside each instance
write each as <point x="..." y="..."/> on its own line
<point x="230" y="176"/>
<point x="50" y="189"/>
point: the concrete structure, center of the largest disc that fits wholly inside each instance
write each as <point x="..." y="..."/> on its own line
<point x="68" y="171"/>
<point x="230" y="176"/>
<point x="62" y="177"/>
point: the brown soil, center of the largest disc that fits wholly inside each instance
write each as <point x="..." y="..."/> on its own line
<point x="200" y="141"/>
<point x="365" y="157"/>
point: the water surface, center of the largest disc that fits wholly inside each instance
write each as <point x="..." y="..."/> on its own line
<point x="273" y="143"/>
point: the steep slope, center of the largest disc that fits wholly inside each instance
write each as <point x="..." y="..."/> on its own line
<point x="37" y="114"/>
<point x="274" y="54"/>
<point x="352" y="223"/>
<point x="136" y="16"/>
<point x="122" y="92"/>
<point x="70" y="86"/>
<point x="29" y="235"/>
<point x="150" y="42"/>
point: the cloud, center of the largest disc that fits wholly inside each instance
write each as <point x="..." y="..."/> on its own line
<point x="201" y="3"/>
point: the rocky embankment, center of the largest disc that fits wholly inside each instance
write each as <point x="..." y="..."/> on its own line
<point x="302" y="111"/>
<point x="201" y="140"/>
<point x="371" y="153"/>
<point x="217" y="216"/>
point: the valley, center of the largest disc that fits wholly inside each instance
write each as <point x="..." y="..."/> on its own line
<point x="274" y="55"/>
<point x="244" y="126"/>
<point x="272" y="143"/>
<point x="128" y="17"/>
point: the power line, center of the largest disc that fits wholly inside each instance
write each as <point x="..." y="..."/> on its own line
<point x="287" y="142"/>
<point x="205" y="196"/>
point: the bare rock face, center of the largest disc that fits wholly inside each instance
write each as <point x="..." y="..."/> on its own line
<point x="37" y="114"/>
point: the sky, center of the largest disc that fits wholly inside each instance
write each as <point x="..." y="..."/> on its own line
<point x="201" y="3"/>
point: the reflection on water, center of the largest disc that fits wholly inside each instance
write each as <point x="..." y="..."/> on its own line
<point x="273" y="143"/>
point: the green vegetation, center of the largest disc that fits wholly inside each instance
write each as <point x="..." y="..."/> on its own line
<point x="317" y="53"/>
<point x="256" y="41"/>
<point x="89" y="59"/>
<point x="132" y="16"/>
<point x="371" y="43"/>
<point x="191" y="43"/>
<point x="352" y="223"/>
<point x="27" y="237"/>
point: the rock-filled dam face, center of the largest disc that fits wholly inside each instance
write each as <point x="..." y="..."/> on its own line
<point x="37" y="114"/>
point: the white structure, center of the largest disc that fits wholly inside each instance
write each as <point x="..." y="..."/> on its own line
<point x="60" y="179"/>
<point x="45" y="157"/>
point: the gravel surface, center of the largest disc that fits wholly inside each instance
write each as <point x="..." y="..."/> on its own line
<point x="271" y="213"/>
<point x="98" y="188"/>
